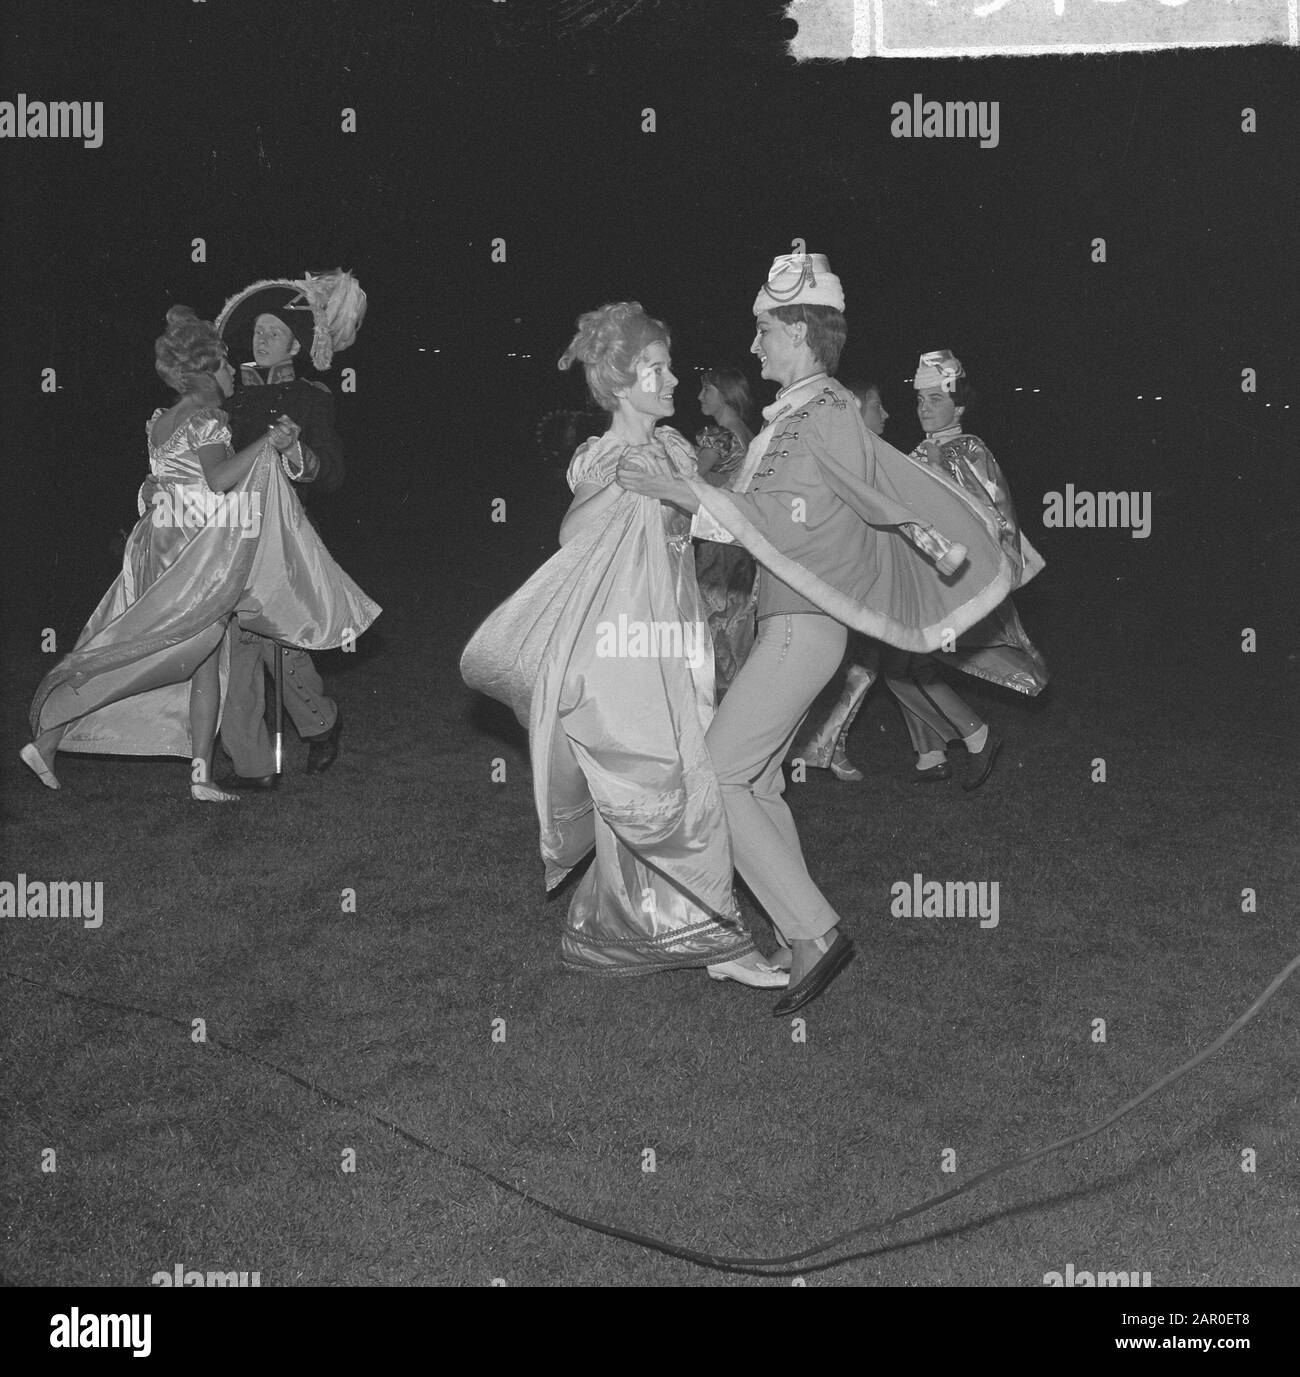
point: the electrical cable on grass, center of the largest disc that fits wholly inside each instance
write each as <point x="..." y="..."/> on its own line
<point x="756" y="1266"/>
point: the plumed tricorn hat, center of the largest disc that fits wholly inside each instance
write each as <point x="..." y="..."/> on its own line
<point x="324" y="311"/>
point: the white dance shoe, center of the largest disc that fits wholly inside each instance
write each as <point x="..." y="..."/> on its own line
<point x="31" y="757"/>
<point x="209" y="793"/>
<point x="760" y="974"/>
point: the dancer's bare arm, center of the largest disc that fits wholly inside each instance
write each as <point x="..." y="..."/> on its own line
<point x="223" y="469"/>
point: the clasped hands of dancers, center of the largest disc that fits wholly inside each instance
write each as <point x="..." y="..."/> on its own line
<point x="221" y="573"/>
<point x="677" y="787"/>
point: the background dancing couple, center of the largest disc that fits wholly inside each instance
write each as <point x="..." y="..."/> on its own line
<point x="178" y="638"/>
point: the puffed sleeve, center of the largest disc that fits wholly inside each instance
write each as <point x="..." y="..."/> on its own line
<point x="679" y="450"/>
<point x="208" y="427"/>
<point x="592" y="462"/>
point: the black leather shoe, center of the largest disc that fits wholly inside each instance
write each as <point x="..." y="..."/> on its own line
<point x="322" y="750"/>
<point x="250" y="782"/>
<point x="817" y="979"/>
<point x="935" y="774"/>
<point x="981" y="765"/>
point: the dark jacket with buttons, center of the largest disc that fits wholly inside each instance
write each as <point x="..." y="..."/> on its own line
<point x="255" y="407"/>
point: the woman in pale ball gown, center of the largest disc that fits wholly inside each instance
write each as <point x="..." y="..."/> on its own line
<point x="605" y="656"/>
<point x="220" y="534"/>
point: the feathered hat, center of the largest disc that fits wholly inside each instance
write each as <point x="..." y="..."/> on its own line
<point x="324" y="311"/>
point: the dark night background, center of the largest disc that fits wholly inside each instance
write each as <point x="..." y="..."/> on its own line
<point x="479" y="120"/>
<point x="522" y="121"/>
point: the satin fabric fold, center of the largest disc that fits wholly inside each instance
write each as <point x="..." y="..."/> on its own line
<point x="862" y="670"/>
<point x="616" y="736"/>
<point x="996" y="648"/>
<point x="124" y="687"/>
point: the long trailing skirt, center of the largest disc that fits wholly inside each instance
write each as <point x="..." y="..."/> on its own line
<point x="617" y="738"/>
<point x="616" y="714"/>
<point x="124" y="690"/>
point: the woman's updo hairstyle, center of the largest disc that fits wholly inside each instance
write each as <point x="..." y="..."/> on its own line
<point x="608" y="344"/>
<point x="190" y="345"/>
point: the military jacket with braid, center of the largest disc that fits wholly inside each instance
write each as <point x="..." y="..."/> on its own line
<point x="795" y="500"/>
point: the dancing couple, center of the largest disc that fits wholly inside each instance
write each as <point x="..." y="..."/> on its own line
<point x="629" y="754"/>
<point x="222" y="545"/>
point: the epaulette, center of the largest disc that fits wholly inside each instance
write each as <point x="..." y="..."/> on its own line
<point x="829" y="394"/>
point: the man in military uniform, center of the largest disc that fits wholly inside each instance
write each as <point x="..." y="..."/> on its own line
<point x="276" y="326"/>
<point x="848" y="532"/>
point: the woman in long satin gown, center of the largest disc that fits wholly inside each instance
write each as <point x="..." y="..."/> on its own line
<point x="605" y="655"/>
<point x="220" y="535"/>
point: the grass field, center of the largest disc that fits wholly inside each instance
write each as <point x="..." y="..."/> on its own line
<point x="1118" y="901"/>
